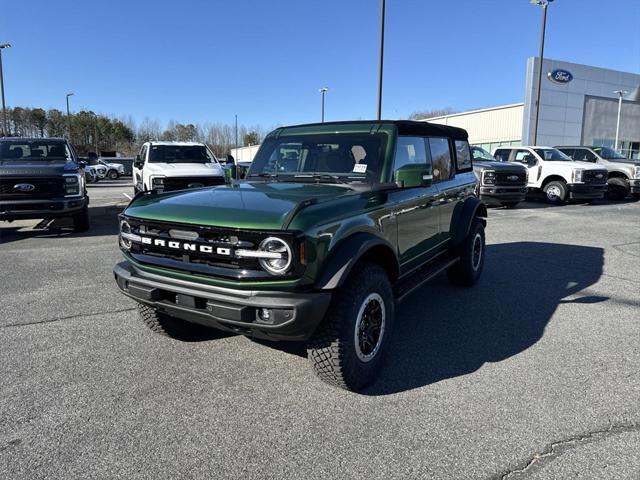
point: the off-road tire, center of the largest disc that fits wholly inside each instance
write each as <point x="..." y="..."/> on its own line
<point x="636" y="196"/>
<point x="466" y="271"/>
<point x="81" y="220"/>
<point x="618" y="188"/>
<point x="113" y="175"/>
<point x="556" y="186"/>
<point x="167" y="325"/>
<point x="509" y="204"/>
<point x="332" y="351"/>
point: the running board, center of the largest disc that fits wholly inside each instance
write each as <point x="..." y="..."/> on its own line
<point x="422" y="275"/>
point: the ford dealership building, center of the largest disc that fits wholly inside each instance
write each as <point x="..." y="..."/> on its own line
<point x="578" y="106"/>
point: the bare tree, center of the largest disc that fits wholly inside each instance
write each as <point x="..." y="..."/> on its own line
<point x="436" y="112"/>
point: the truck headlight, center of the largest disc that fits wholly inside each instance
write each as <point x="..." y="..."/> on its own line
<point x="576" y="176"/>
<point x="636" y="173"/>
<point x="278" y="258"/>
<point x="73" y="184"/>
<point x="157" y="182"/>
<point x="489" y="177"/>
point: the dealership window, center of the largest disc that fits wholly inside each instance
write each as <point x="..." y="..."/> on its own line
<point x="463" y="156"/>
<point x="441" y="158"/>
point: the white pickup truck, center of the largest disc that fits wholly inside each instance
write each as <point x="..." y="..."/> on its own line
<point x="166" y="166"/>
<point x="557" y="175"/>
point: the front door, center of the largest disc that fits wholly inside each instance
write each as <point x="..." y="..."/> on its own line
<point x="524" y="157"/>
<point x="416" y="209"/>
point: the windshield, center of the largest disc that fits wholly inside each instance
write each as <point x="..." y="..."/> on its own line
<point x="335" y="157"/>
<point x="481" y="154"/>
<point x="609" y="153"/>
<point x="551" y="154"/>
<point x="36" y="150"/>
<point x="180" y="154"/>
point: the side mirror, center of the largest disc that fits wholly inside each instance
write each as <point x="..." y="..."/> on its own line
<point x="230" y="160"/>
<point x="138" y="162"/>
<point x="92" y="155"/>
<point x="82" y="164"/>
<point x="531" y="160"/>
<point x="413" y="175"/>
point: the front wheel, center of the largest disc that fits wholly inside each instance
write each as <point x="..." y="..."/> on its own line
<point x="347" y="349"/>
<point x="618" y="188"/>
<point x="467" y="271"/>
<point x="81" y="220"/>
<point x="556" y="192"/>
<point x="113" y="175"/>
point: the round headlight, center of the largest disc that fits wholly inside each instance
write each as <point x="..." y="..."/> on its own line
<point x="280" y="264"/>
<point x="126" y="229"/>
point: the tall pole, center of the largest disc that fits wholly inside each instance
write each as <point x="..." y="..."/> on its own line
<point x="545" y="5"/>
<point x="380" y="66"/>
<point x="5" y="130"/>
<point x="620" y="93"/>
<point x="237" y="173"/>
<point x="322" y="91"/>
<point x="68" y="118"/>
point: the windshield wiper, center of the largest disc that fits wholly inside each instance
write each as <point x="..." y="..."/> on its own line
<point x="320" y="176"/>
<point x="263" y="175"/>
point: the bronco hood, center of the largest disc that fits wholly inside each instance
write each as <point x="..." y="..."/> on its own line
<point x="266" y="206"/>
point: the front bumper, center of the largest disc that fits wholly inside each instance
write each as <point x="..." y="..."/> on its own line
<point x="294" y="315"/>
<point x="579" y="191"/>
<point x="634" y="186"/>
<point x="499" y="193"/>
<point x="49" y="208"/>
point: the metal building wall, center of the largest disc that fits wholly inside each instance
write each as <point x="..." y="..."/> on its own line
<point x="490" y="127"/>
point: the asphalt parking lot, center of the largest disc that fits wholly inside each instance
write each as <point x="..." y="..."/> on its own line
<point x="533" y="373"/>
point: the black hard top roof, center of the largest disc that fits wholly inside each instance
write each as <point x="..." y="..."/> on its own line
<point x="405" y="127"/>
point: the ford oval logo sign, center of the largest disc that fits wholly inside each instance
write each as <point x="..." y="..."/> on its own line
<point x="24" y="187"/>
<point x="560" y="76"/>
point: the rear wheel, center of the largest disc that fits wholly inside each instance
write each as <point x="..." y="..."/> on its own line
<point x="81" y="220"/>
<point x="556" y="192"/>
<point x="468" y="269"/>
<point x="348" y="348"/>
<point x="618" y="188"/>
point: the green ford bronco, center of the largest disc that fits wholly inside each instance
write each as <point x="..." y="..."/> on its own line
<point x="333" y="225"/>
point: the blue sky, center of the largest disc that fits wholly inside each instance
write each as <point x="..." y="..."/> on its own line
<point x="204" y="61"/>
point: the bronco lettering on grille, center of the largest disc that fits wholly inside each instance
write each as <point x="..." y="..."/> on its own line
<point x="186" y="246"/>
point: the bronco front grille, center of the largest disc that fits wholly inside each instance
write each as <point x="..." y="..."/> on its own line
<point x="594" y="176"/>
<point x="511" y="178"/>
<point x="203" y="249"/>
<point x="42" y="188"/>
<point x="180" y="183"/>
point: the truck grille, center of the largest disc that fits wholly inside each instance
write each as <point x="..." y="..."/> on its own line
<point x="507" y="178"/>
<point x="167" y="248"/>
<point x="594" y="177"/>
<point x="180" y="183"/>
<point x="43" y="188"/>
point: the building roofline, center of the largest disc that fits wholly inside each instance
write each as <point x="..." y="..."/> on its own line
<point x="479" y="110"/>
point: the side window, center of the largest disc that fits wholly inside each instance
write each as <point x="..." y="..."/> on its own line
<point x="522" y="155"/>
<point x="463" y="156"/>
<point x="410" y="150"/>
<point x="502" y="154"/>
<point x="143" y="153"/>
<point x="570" y="152"/>
<point x="583" y="155"/>
<point x="441" y="158"/>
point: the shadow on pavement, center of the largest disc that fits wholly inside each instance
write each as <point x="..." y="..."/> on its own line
<point x="443" y="332"/>
<point x="104" y="221"/>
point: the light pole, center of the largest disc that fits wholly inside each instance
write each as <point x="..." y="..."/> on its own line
<point x="5" y="131"/>
<point x="544" y="4"/>
<point x="69" y="117"/>
<point x="380" y="66"/>
<point x="322" y="91"/>
<point x="620" y="93"/>
<point x="236" y="162"/>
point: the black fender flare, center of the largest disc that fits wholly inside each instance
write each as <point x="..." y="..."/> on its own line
<point x="463" y="217"/>
<point x="342" y="258"/>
